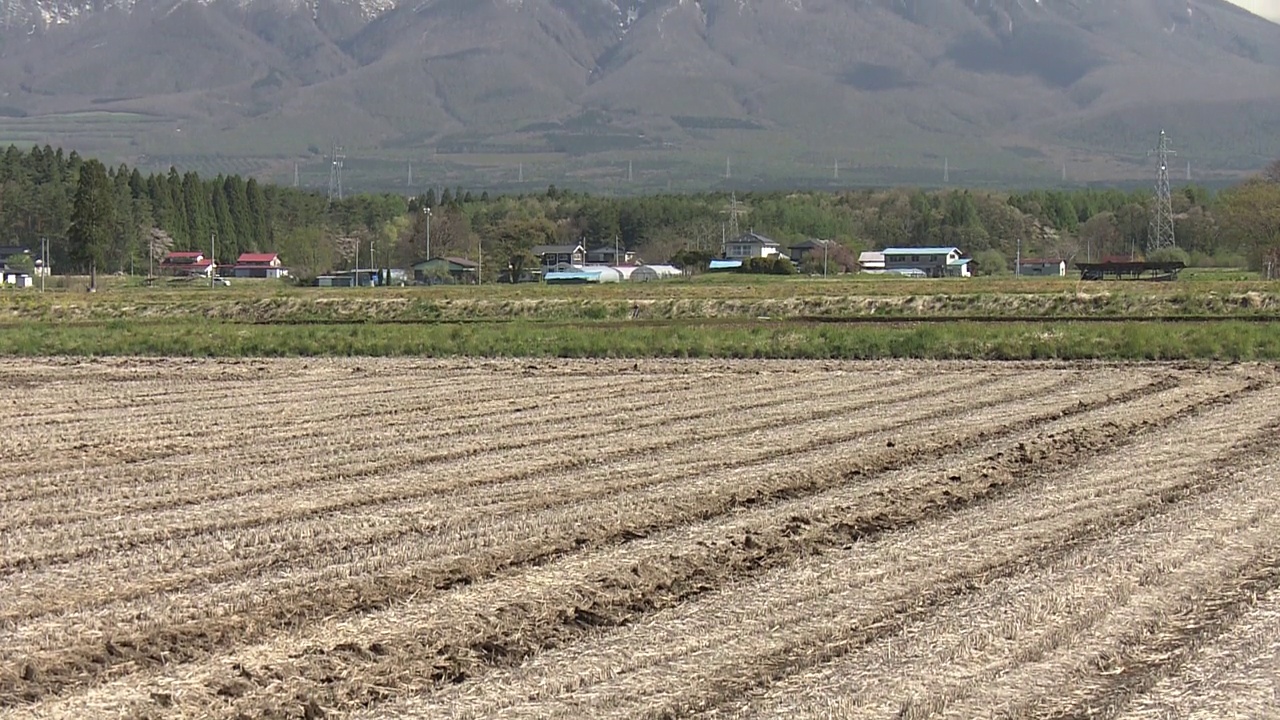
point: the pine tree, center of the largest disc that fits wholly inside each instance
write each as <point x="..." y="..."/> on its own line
<point x="93" y="219"/>
<point x="256" y="211"/>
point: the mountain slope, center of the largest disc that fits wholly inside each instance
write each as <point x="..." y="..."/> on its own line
<point x="1002" y="88"/>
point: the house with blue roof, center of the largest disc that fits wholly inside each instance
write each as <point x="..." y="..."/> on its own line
<point x="927" y="261"/>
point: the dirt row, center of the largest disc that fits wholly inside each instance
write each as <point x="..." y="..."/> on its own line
<point x="677" y="571"/>
<point x="480" y="491"/>
<point x="523" y="542"/>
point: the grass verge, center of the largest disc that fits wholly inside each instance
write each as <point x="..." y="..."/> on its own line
<point x="1225" y="340"/>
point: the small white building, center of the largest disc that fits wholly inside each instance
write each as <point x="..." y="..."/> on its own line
<point x="16" y="278"/>
<point x="1043" y="267"/>
<point x="871" y="261"/>
<point x="649" y="273"/>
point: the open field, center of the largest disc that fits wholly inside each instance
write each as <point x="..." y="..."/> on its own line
<point x="374" y="538"/>
<point x="725" y="317"/>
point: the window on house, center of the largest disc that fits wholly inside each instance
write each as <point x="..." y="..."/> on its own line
<point x="915" y="258"/>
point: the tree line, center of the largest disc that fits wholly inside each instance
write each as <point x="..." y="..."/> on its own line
<point x="114" y="219"/>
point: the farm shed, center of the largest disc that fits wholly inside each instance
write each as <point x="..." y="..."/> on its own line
<point x="1043" y="267"/>
<point x="16" y="279"/>
<point x="648" y="273"/>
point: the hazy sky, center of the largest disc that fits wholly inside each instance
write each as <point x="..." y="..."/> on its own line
<point x="1265" y="8"/>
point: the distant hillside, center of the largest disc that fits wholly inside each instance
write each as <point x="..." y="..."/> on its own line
<point x="619" y="95"/>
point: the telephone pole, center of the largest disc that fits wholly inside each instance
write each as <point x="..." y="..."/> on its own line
<point x="1161" y="232"/>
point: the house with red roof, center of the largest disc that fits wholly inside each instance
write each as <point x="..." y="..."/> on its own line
<point x="260" y="265"/>
<point x="187" y="264"/>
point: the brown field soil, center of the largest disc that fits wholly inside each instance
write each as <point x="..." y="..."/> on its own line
<point x="606" y="539"/>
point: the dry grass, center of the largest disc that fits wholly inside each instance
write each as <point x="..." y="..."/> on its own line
<point x="610" y="539"/>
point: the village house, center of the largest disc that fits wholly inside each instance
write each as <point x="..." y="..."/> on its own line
<point x="611" y="255"/>
<point x="751" y="245"/>
<point x="552" y="255"/>
<point x="454" y="270"/>
<point x="798" y="251"/>
<point x="259" y="265"/>
<point x="187" y="264"/>
<point x="927" y="262"/>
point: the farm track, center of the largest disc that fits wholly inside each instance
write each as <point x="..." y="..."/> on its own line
<point x="732" y="544"/>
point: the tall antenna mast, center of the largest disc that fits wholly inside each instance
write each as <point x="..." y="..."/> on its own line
<point x="728" y="168"/>
<point x="1064" y="172"/>
<point x="946" y="170"/>
<point x="520" y="173"/>
<point x="1162" y="214"/>
<point x="295" y="174"/>
<point x="835" y="169"/>
<point x="409" y="182"/>
<point x="336" y="161"/>
<point x="630" y="177"/>
<point x="1188" y="171"/>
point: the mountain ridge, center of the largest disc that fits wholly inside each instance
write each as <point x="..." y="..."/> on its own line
<point x="467" y="86"/>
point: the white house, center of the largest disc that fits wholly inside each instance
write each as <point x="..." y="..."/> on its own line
<point x="751" y="245"/>
<point x="931" y="261"/>
<point x="1043" y="267"/>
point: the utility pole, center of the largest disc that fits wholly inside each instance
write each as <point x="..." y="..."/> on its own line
<point x="946" y="170"/>
<point x="213" y="253"/>
<point x="1017" y="266"/>
<point x="44" y="260"/>
<point x="427" y="210"/>
<point x="1162" y="214"/>
<point x="728" y="168"/>
<point x="479" y="260"/>
<point x="825" y="244"/>
<point x="630" y="177"/>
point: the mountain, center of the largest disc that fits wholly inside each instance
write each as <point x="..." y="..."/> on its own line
<point x="674" y="92"/>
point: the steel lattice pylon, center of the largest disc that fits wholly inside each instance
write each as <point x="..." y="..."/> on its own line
<point x="1161" y="232"/>
<point x="336" y="161"/>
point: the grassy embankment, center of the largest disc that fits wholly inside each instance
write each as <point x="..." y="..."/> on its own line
<point x="715" y="317"/>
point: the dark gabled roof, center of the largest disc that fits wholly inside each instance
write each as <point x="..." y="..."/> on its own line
<point x="810" y="243"/>
<point x="755" y="237"/>
<point x="556" y="249"/>
<point x="460" y="262"/>
<point x="11" y="250"/>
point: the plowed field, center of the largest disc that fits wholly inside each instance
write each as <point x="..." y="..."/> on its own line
<point x="474" y="539"/>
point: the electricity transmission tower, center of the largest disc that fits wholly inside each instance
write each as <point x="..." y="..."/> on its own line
<point x="336" y="159"/>
<point x="1162" y="214"/>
